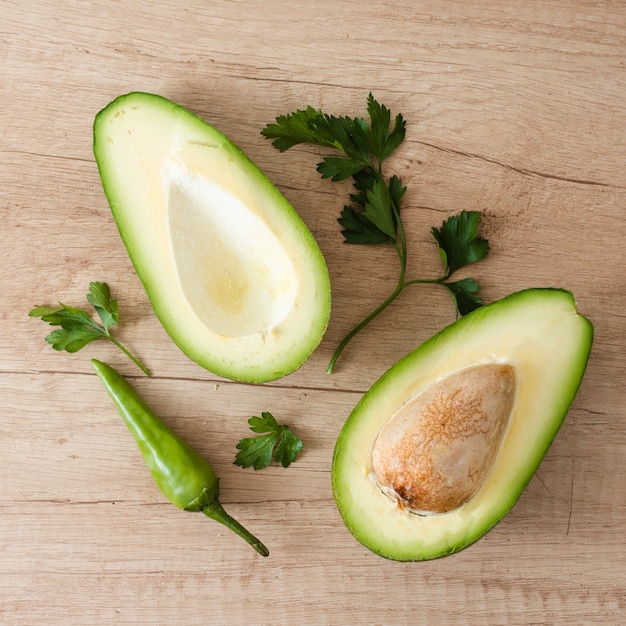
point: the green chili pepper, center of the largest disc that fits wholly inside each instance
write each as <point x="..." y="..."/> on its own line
<point x="185" y="478"/>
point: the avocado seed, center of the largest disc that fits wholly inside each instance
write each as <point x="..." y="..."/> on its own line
<point x="437" y="449"/>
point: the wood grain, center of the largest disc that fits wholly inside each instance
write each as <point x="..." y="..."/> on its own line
<point x="514" y="109"/>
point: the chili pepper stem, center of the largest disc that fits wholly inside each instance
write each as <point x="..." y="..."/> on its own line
<point x="216" y="512"/>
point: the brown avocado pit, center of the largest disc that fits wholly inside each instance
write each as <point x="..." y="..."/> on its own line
<point x="438" y="448"/>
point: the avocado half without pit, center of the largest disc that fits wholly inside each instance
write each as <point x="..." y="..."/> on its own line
<point x="232" y="272"/>
<point x="441" y="447"/>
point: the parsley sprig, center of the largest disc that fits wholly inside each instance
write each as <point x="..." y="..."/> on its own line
<point x="373" y="215"/>
<point x="273" y="441"/>
<point x="77" y="326"/>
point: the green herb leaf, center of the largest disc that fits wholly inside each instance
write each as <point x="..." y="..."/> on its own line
<point x="458" y="242"/>
<point x="362" y="181"/>
<point x="302" y="126"/>
<point x="100" y="297"/>
<point x="378" y="209"/>
<point x="273" y="441"/>
<point x="78" y="328"/>
<point x="352" y="136"/>
<point x="384" y="143"/>
<point x="361" y="143"/>
<point x="369" y="222"/>
<point x="72" y="339"/>
<point x="396" y="137"/>
<point x="339" y="168"/>
<point x="380" y="117"/>
<point x="358" y="229"/>
<point x="464" y="293"/>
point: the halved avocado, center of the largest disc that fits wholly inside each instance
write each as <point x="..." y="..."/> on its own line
<point x="232" y="272"/>
<point x="442" y="446"/>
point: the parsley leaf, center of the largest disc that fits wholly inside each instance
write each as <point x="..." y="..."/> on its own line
<point x="460" y="245"/>
<point x="306" y="126"/>
<point x="339" y="168"/>
<point x="273" y="441"/>
<point x="458" y="242"/>
<point x="373" y="217"/>
<point x="464" y="293"/>
<point x="378" y="209"/>
<point x="358" y="229"/>
<point x="78" y="328"/>
<point x="100" y="297"/>
<point x="384" y="143"/>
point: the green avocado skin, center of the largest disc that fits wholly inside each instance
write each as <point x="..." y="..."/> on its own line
<point x="545" y="317"/>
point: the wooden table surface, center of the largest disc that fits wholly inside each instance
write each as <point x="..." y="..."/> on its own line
<point x="515" y="109"/>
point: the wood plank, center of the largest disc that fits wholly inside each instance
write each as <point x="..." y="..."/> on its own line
<point x="513" y="110"/>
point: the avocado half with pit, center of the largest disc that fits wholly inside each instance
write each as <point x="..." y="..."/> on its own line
<point x="442" y="446"/>
<point x="232" y="272"/>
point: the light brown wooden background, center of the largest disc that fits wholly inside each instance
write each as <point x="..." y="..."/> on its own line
<point x="515" y="109"/>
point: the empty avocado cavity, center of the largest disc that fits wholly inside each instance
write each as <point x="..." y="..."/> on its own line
<point x="233" y="270"/>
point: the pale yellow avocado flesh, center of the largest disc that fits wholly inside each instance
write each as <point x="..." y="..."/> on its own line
<point x="232" y="272"/>
<point x="537" y="333"/>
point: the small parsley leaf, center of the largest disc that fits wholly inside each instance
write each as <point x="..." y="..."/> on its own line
<point x="339" y="168"/>
<point x="78" y="328"/>
<point x="396" y="190"/>
<point x="459" y="244"/>
<point x="378" y="209"/>
<point x="303" y="126"/>
<point x="273" y="440"/>
<point x="380" y="116"/>
<point x="72" y="340"/>
<point x="358" y="229"/>
<point x="464" y="293"/>
<point x="107" y="309"/>
<point x="384" y="143"/>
